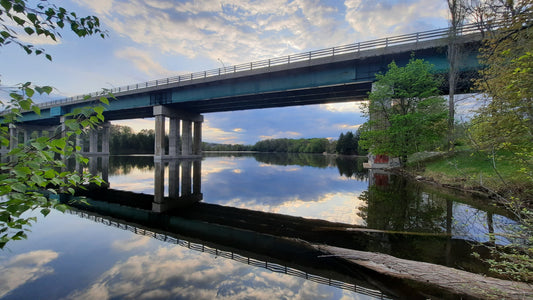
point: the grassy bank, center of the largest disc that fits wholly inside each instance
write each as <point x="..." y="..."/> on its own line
<point x="477" y="171"/>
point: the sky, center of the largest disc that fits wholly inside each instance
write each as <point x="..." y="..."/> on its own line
<point x="149" y="40"/>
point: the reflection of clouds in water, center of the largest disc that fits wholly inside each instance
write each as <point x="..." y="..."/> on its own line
<point x="136" y="181"/>
<point x="334" y="207"/>
<point x="136" y="241"/>
<point x="175" y="272"/>
<point x="25" y="268"/>
<point x="473" y="224"/>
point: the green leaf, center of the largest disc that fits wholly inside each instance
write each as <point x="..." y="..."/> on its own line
<point x="59" y="143"/>
<point x="36" y="109"/>
<point x="29" y="30"/>
<point x="6" y="4"/>
<point x="98" y="109"/>
<point x="25" y="104"/>
<point x="19" y="20"/>
<point x="19" y="187"/>
<point x="29" y="91"/>
<point x="38" y="180"/>
<point x="45" y="211"/>
<point x="104" y="100"/>
<point x="21" y="171"/>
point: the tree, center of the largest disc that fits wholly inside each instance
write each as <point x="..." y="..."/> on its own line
<point x="457" y="16"/>
<point x="40" y="163"/>
<point x="406" y="115"/>
<point x="504" y="123"/>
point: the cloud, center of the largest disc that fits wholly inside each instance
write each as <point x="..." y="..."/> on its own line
<point x="144" y="62"/>
<point x="136" y="241"/>
<point x="24" y="268"/>
<point x="100" y="7"/>
<point x="177" y="272"/>
<point x="378" y="19"/>
<point x="235" y="31"/>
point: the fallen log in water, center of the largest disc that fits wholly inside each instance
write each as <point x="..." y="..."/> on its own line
<point x="445" y="278"/>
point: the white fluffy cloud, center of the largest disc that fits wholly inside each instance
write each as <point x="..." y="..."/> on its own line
<point x="181" y="273"/>
<point x="381" y="18"/>
<point x="144" y="62"/>
<point x="25" y="268"/>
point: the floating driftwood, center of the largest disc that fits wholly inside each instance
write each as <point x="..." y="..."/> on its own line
<point x="445" y="278"/>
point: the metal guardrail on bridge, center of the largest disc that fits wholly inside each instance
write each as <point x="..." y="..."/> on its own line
<point x="284" y="60"/>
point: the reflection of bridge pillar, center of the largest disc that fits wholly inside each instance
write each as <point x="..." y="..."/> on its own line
<point x="197" y="177"/>
<point x="191" y="171"/>
<point x="186" y="178"/>
<point x="159" y="183"/>
<point x="94" y="170"/>
<point x="185" y="145"/>
<point x="173" y="179"/>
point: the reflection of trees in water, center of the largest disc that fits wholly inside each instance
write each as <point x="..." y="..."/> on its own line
<point x="352" y="167"/>
<point x="403" y="206"/>
<point x="348" y="166"/>
<point x="293" y="159"/>
<point x="124" y="164"/>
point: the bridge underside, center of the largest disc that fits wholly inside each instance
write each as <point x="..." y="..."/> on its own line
<point x="307" y="96"/>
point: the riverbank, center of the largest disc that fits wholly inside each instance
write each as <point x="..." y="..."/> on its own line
<point x="475" y="173"/>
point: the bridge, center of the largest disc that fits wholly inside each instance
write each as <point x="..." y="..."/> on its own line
<point x="338" y="74"/>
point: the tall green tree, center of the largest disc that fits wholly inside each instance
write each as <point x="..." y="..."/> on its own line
<point x="505" y="120"/>
<point x="39" y="164"/>
<point x="406" y="113"/>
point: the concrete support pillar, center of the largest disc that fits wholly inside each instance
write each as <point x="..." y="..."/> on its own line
<point x="174" y="137"/>
<point x="27" y="134"/>
<point x="186" y="146"/>
<point x="197" y="147"/>
<point x="93" y="141"/>
<point x="13" y="137"/>
<point x="159" y="136"/>
<point x="106" y="128"/>
<point x="189" y="147"/>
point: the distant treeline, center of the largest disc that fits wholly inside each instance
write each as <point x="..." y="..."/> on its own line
<point x="125" y="141"/>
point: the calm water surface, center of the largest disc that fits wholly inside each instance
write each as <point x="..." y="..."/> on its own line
<point x="224" y="247"/>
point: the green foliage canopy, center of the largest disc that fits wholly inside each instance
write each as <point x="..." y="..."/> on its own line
<point x="406" y="114"/>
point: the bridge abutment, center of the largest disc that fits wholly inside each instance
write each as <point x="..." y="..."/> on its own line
<point x="188" y="143"/>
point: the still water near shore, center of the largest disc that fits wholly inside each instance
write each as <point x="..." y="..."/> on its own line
<point x="238" y="237"/>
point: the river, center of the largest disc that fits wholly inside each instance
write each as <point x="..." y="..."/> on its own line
<point x="236" y="226"/>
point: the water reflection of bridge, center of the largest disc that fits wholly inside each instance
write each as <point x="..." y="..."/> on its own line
<point x="202" y="247"/>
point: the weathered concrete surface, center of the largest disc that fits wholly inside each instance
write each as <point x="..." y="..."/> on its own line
<point x="446" y="278"/>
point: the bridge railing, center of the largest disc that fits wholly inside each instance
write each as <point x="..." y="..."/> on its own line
<point x="274" y="267"/>
<point x="284" y="60"/>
